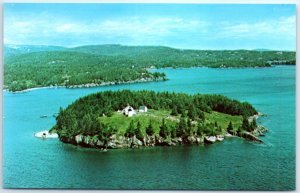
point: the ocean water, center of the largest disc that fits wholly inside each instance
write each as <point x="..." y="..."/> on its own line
<point x="234" y="164"/>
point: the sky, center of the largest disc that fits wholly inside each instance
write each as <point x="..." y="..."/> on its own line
<point x="186" y="26"/>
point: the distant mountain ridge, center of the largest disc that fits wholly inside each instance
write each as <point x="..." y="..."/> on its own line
<point x="103" y="49"/>
<point x="116" y="49"/>
<point x="263" y="50"/>
<point x="14" y="50"/>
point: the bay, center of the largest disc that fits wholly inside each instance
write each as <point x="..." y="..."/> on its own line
<point x="234" y="164"/>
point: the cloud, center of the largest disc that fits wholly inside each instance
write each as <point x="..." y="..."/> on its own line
<point x="148" y="30"/>
<point x="66" y="27"/>
<point x="21" y="30"/>
<point x="282" y="27"/>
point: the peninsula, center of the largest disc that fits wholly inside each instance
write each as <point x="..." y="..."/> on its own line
<point x="129" y="119"/>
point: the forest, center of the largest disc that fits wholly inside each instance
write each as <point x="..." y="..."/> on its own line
<point x="170" y="115"/>
<point x="116" y="64"/>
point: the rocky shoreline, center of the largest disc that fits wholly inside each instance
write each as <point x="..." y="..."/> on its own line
<point x="88" y="85"/>
<point x="117" y="142"/>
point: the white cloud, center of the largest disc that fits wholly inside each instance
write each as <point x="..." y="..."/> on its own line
<point x="67" y="27"/>
<point x="284" y="26"/>
<point x="173" y="31"/>
<point x="23" y="30"/>
<point x="148" y="26"/>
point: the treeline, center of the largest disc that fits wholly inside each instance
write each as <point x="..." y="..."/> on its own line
<point x="161" y="57"/>
<point x="82" y="116"/>
<point x="115" y="63"/>
<point x="183" y="129"/>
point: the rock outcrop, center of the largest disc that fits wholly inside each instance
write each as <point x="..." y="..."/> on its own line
<point x="117" y="142"/>
<point x="260" y="131"/>
<point x="250" y="136"/>
<point x="45" y="134"/>
<point x="210" y="139"/>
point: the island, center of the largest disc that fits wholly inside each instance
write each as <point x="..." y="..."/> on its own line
<point x="27" y="67"/>
<point x="130" y="119"/>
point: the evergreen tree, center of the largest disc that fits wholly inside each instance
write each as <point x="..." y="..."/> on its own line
<point x="179" y="107"/>
<point x="163" y="129"/>
<point x="183" y="114"/>
<point x="174" y="111"/>
<point x="240" y="129"/>
<point x="229" y="127"/>
<point x="138" y="125"/>
<point x="138" y="132"/>
<point x="94" y="127"/>
<point x="201" y="115"/>
<point x="104" y="133"/>
<point x="173" y="131"/>
<point x="216" y="124"/>
<point x="130" y="130"/>
<point x="213" y="130"/>
<point x="189" y="128"/>
<point x="200" y="129"/>
<point x="182" y="126"/>
<point x="192" y="114"/>
<point x="245" y="124"/>
<point x="109" y="113"/>
<point x="60" y="118"/>
<point x="220" y="130"/>
<point x="86" y="123"/>
<point x="149" y="129"/>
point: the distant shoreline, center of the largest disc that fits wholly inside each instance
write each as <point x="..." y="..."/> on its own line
<point x="31" y="89"/>
<point x="88" y="85"/>
<point x="91" y="85"/>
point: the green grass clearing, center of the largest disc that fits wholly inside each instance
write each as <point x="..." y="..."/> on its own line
<point x="223" y="119"/>
<point x="121" y="122"/>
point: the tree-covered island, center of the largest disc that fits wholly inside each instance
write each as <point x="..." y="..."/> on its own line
<point x="127" y="119"/>
<point x="87" y="66"/>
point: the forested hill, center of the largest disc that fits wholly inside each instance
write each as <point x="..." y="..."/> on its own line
<point x="37" y="66"/>
<point x="66" y="68"/>
<point x="114" y="50"/>
<point x="161" y="56"/>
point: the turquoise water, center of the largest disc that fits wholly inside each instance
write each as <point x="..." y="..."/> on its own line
<point x="233" y="164"/>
